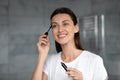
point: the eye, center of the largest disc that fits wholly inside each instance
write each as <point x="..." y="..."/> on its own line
<point x="65" y="24"/>
<point x="53" y="26"/>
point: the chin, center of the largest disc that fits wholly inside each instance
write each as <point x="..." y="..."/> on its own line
<point x="62" y="42"/>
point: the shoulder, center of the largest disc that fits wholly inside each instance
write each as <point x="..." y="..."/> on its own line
<point x="53" y="57"/>
<point x="92" y="56"/>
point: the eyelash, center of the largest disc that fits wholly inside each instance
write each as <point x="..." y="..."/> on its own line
<point x="53" y="26"/>
<point x="64" y="24"/>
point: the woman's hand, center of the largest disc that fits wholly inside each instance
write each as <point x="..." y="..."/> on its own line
<point x="43" y="48"/>
<point x="43" y="45"/>
<point x="74" y="74"/>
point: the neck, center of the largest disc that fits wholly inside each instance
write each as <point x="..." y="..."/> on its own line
<point x="69" y="52"/>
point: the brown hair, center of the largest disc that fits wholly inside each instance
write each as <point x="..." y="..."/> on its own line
<point x="74" y="19"/>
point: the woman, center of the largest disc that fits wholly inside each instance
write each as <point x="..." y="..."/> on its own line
<point x="81" y="64"/>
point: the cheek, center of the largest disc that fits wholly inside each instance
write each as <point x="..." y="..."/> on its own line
<point x="71" y="30"/>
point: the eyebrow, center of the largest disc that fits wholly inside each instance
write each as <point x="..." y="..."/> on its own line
<point x="66" y="20"/>
<point x="62" y="21"/>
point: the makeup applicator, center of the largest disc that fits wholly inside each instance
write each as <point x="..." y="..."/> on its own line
<point x="46" y="33"/>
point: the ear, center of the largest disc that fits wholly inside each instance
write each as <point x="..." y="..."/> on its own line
<point x="76" y="29"/>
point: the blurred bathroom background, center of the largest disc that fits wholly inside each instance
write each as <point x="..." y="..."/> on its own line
<point x="22" y="21"/>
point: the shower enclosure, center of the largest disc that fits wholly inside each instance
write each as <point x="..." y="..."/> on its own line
<point x="100" y="34"/>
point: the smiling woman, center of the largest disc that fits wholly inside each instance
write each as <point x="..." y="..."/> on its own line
<point x="63" y="28"/>
<point x="80" y="64"/>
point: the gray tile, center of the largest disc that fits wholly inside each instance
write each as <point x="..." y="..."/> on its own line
<point x="23" y="39"/>
<point x="3" y="35"/>
<point x="3" y="69"/>
<point x="22" y="58"/>
<point x="26" y="7"/>
<point x="4" y="10"/>
<point x="114" y="77"/>
<point x="80" y="7"/>
<point x="20" y="76"/>
<point x="21" y="49"/>
<point x="113" y="44"/>
<point x="113" y="67"/>
<point x="3" y="54"/>
<point x="3" y="20"/>
<point x="112" y="23"/>
<point x="4" y="2"/>
<point x="112" y="30"/>
<point x="22" y="63"/>
<point x="115" y="57"/>
<point x="26" y="25"/>
<point x="4" y="77"/>
<point x="108" y="6"/>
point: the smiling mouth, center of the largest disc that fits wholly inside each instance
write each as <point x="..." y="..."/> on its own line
<point x="61" y="35"/>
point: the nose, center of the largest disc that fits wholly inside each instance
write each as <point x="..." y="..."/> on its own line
<point x="60" y="29"/>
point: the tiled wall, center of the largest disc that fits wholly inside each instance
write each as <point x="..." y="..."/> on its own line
<point x="4" y="40"/>
<point x="22" y="21"/>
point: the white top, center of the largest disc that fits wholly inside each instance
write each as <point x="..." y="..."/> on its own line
<point x="91" y="66"/>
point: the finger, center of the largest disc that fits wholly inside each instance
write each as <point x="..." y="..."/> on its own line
<point x="42" y="36"/>
<point x="76" y="78"/>
<point x="73" y="76"/>
<point x="42" y="42"/>
<point x="73" y="69"/>
<point x="46" y="41"/>
<point x="70" y="73"/>
<point x="47" y="38"/>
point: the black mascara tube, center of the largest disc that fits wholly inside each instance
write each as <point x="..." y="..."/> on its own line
<point x="64" y="66"/>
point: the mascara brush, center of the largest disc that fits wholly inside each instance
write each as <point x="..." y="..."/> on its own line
<point x="46" y="33"/>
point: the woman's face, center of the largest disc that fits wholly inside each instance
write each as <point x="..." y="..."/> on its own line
<point x="63" y="28"/>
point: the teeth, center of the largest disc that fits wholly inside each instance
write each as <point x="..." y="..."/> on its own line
<point x="61" y="36"/>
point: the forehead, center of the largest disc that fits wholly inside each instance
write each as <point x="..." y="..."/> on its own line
<point x="62" y="16"/>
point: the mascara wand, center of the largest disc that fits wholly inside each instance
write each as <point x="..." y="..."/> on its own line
<point x="46" y="33"/>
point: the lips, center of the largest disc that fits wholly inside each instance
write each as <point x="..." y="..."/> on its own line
<point x="61" y="35"/>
